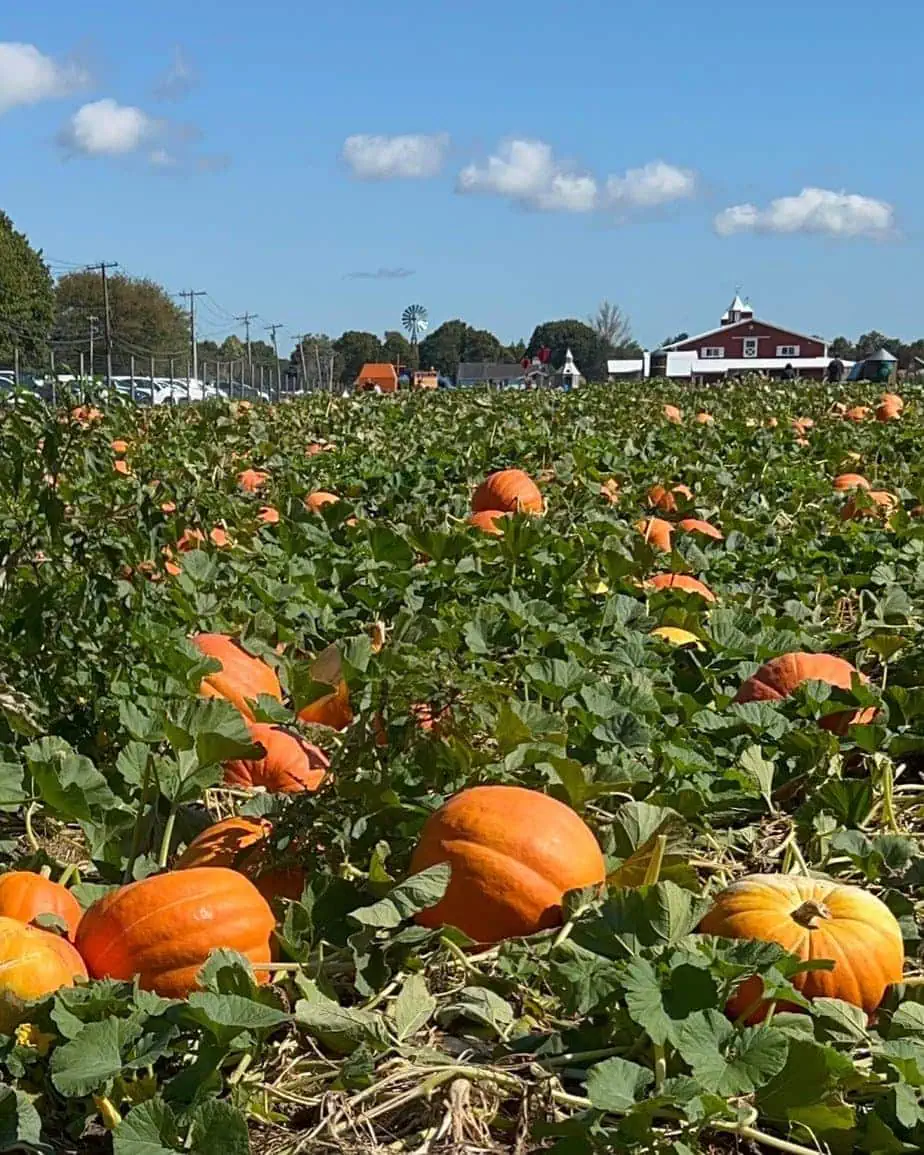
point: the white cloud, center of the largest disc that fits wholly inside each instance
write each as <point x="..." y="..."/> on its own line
<point x="411" y="156"/>
<point x="106" y="128"/>
<point x="814" y="210"/>
<point x="27" y="76"/>
<point x="527" y="171"/>
<point x="656" y="183"/>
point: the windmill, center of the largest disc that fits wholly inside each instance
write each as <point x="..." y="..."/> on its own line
<point x="414" y="320"/>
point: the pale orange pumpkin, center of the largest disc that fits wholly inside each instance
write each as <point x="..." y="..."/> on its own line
<point x="673" y="414"/>
<point x="683" y="582"/>
<point x="705" y="419"/>
<point x="290" y="764"/>
<point x="847" y="481"/>
<point x="241" y="677"/>
<point x="317" y="500"/>
<point x="704" y="528"/>
<point x="25" y="895"/>
<point x="487" y="521"/>
<point x="251" y="480"/>
<point x="778" y="678"/>
<point x="514" y="853"/>
<point x="508" y="490"/>
<point x="657" y="533"/>
<point x="812" y="918"/>
<point x="241" y="844"/>
<point x="665" y="500"/>
<point x="333" y="709"/>
<point x="33" y="963"/>
<point x="857" y="413"/>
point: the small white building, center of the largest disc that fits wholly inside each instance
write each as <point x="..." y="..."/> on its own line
<point x="569" y="376"/>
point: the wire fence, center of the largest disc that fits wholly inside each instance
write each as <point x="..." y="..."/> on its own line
<point x="155" y="381"/>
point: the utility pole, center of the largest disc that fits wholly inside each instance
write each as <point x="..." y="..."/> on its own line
<point x="191" y="294"/>
<point x="246" y="319"/>
<point x="272" y="329"/>
<point x="93" y="320"/>
<point x="102" y="268"/>
<point x="301" y="353"/>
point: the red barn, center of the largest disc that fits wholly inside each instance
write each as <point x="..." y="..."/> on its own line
<point x="741" y="344"/>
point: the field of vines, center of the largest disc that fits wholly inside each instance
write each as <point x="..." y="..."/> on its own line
<point x="359" y="793"/>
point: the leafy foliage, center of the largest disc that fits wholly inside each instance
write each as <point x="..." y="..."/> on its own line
<point x="526" y="658"/>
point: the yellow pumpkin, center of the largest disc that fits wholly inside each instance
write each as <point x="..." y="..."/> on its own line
<point x="812" y="918"/>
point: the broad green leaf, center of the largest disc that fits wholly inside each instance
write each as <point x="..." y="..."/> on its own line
<point x="218" y="1128"/>
<point x="617" y="1084"/>
<point x="342" y="1029"/>
<point x="92" y="1057"/>
<point x="416" y="893"/>
<point x="727" y="1061"/>
<point x="148" y="1129"/>
<point x="413" y="1008"/>
<point x="20" y="1123"/>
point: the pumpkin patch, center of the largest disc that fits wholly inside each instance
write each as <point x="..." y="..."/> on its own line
<point x="465" y="768"/>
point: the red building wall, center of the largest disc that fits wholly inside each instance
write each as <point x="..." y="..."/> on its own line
<point x="731" y="337"/>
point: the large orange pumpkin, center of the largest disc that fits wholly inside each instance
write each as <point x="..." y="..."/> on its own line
<point x="33" y="963"/>
<point x="487" y="521"/>
<point x="514" y="853"/>
<point x="697" y="525"/>
<point x="242" y="676"/>
<point x="857" y="413"/>
<point x="241" y="844"/>
<point x="892" y="400"/>
<point x="508" y="490"/>
<point x="779" y="677"/>
<point x="289" y="765"/>
<point x="657" y="532"/>
<point x="24" y="896"/>
<point x="673" y="414"/>
<point x="683" y="582"/>
<point x="812" y="918"/>
<point x="163" y="928"/>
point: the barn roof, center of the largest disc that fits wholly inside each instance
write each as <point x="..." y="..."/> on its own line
<point x="721" y="330"/>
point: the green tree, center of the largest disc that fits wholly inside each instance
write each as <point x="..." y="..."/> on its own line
<point x="26" y="298"/>
<point x="454" y="342"/>
<point x="872" y="341"/>
<point x="517" y="351"/>
<point x="591" y="351"/>
<point x="396" y="349"/>
<point x="145" y="321"/>
<point x="353" y="350"/>
<point x="843" y="348"/>
<point x="683" y="336"/>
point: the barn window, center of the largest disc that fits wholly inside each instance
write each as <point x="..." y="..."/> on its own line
<point x="749" y="347"/>
<point x="712" y="351"/>
<point x="787" y="350"/>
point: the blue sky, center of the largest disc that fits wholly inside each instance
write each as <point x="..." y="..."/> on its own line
<point x="549" y="155"/>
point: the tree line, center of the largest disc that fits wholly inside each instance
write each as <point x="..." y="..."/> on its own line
<point x="44" y="321"/>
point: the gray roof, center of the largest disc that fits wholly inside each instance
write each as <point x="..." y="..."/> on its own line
<point x="880" y="355"/>
<point x="489" y="371"/>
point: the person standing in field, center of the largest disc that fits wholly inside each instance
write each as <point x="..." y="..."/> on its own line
<point x="835" y="371"/>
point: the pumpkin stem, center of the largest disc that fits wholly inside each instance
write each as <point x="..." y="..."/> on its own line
<point x="806" y="914"/>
